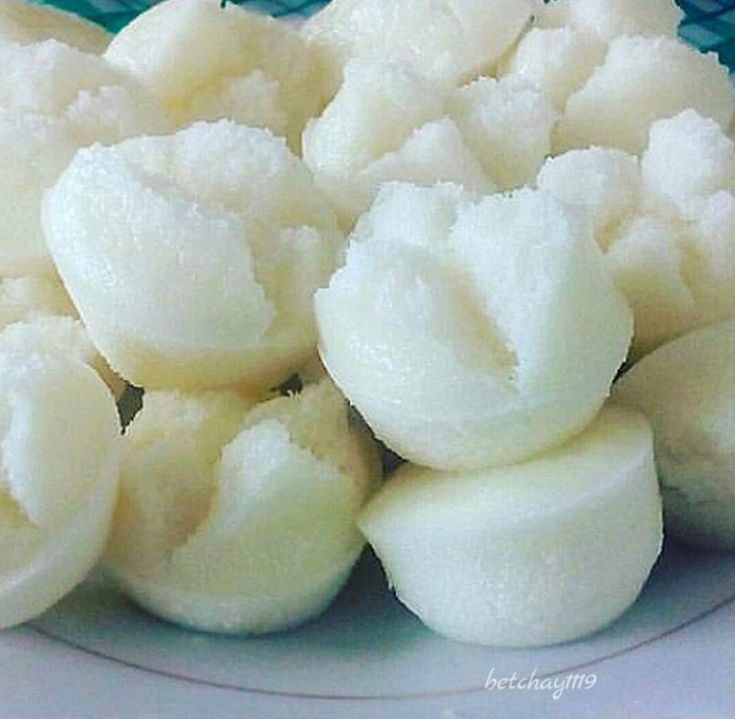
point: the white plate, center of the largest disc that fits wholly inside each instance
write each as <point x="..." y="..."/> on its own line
<point x="97" y="655"/>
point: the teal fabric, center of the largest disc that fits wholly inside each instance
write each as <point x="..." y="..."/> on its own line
<point x="709" y="24"/>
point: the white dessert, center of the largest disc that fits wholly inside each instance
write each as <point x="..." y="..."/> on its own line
<point x="193" y="258"/>
<point x="643" y="79"/>
<point x="508" y="126"/>
<point x="603" y="183"/>
<point x="208" y="62"/>
<point x="688" y="159"/>
<point x="448" y="40"/>
<point x="240" y="519"/>
<point x="608" y="19"/>
<point x="53" y="100"/>
<point x="649" y="263"/>
<point x="386" y="123"/>
<point x="687" y="390"/>
<point x="25" y="23"/>
<point x="37" y="316"/>
<point x="60" y="457"/>
<point x="527" y="555"/>
<point x="557" y="61"/>
<point x="472" y="332"/>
